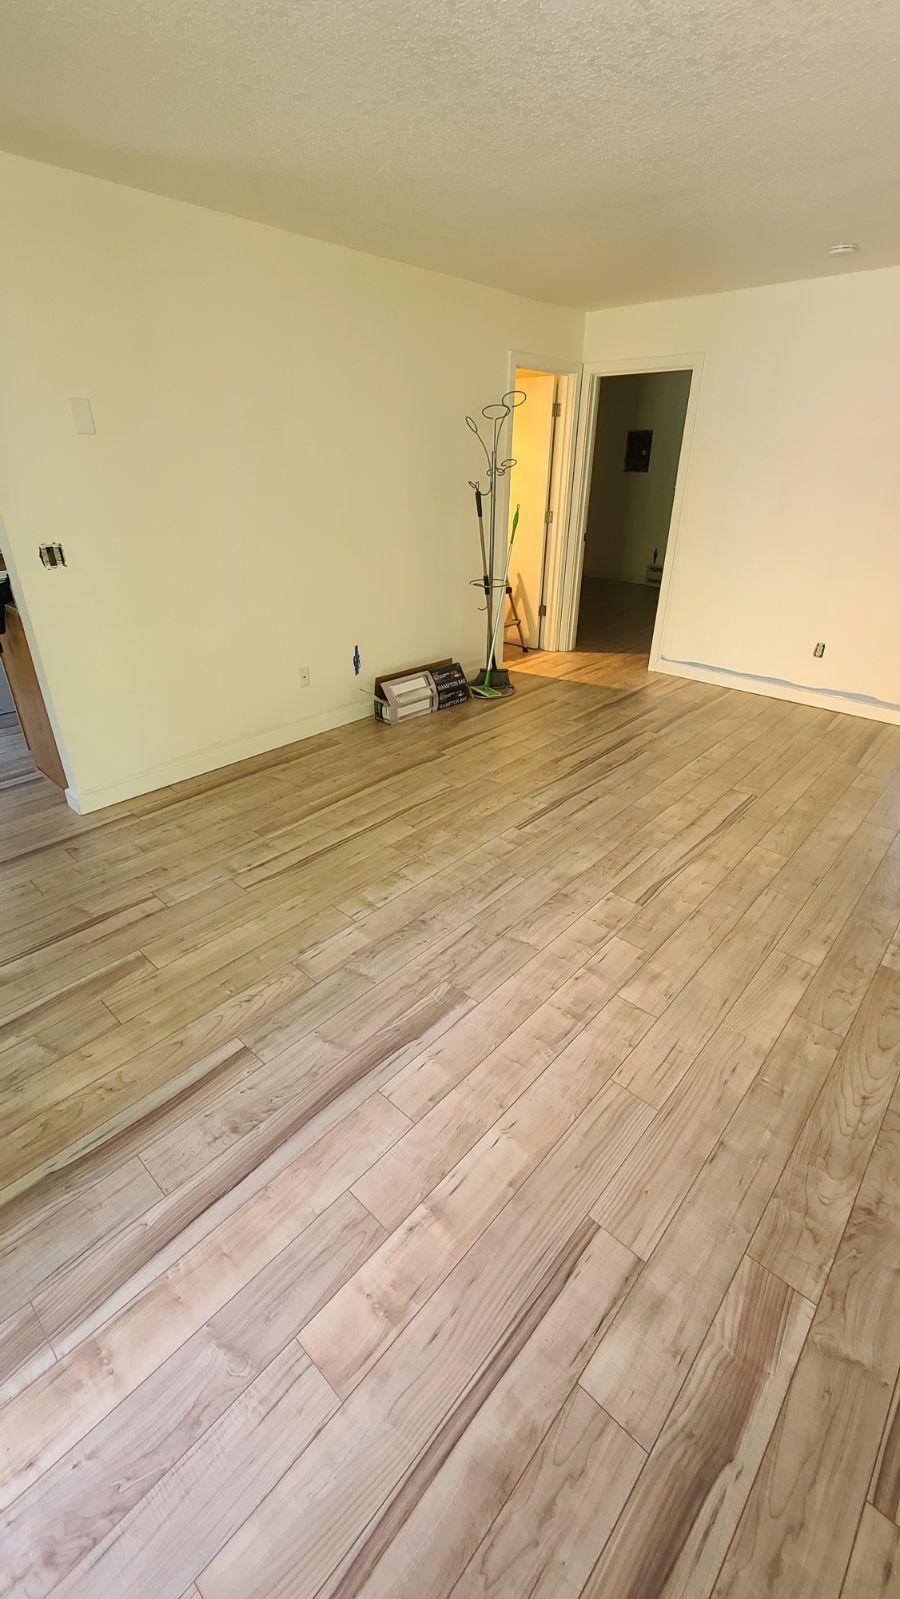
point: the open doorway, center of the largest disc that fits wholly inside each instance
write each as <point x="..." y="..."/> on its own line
<point x="542" y="448"/>
<point x="15" y="757"/>
<point x="27" y="741"/>
<point x="638" y="434"/>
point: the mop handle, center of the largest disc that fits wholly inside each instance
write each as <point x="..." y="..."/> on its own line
<point x="484" y="559"/>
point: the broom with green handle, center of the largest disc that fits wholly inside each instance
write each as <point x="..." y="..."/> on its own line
<point x="483" y="689"/>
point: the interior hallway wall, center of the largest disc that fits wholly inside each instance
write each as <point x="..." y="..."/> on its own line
<point x="528" y="484"/>
<point x="629" y="512"/>
<point x="609" y="482"/>
<point x="279" y="470"/>
<point x="788" y="531"/>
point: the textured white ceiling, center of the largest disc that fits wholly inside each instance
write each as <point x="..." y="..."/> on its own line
<point x="579" y="151"/>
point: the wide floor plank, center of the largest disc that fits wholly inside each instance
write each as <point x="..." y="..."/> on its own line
<point x="677" y="1525"/>
<point x="817" y="1468"/>
<point x="874" y="1570"/>
<point x="561" y="1511"/>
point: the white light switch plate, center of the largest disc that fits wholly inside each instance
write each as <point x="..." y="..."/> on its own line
<point x="82" y="415"/>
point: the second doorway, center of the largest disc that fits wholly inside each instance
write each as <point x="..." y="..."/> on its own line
<point x="541" y="447"/>
<point x="637" y="448"/>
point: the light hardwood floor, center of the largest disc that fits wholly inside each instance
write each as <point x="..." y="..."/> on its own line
<point x="461" y="1159"/>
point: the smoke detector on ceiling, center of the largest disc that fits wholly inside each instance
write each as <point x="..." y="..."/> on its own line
<point x="843" y="249"/>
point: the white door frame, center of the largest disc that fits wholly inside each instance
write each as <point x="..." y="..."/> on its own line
<point x="34" y="647"/>
<point x="594" y="373"/>
<point x="562" y="482"/>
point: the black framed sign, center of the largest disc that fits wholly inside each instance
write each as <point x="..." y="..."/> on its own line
<point x="638" y="445"/>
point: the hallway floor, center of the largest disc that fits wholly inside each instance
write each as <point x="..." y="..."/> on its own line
<point x="616" y="616"/>
<point x="615" y="629"/>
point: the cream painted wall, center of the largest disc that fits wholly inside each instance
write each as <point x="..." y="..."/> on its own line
<point x="789" y="530"/>
<point x="529" y="482"/>
<point x="279" y="470"/>
<point x="629" y="512"/>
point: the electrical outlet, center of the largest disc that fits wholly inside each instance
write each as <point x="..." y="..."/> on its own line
<point x="819" y="651"/>
<point x="304" y="677"/>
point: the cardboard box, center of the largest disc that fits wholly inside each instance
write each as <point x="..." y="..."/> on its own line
<point x="419" y="690"/>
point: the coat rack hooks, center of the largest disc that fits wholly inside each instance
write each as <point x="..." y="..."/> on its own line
<point x="497" y="413"/>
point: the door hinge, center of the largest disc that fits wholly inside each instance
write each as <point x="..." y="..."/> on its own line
<point x="542" y="610"/>
<point x="557" y="408"/>
<point x="548" y="518"/>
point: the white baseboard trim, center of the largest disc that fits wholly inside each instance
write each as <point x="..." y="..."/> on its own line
<point x="213" y="757"/>
<point x="777" y="688"/>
